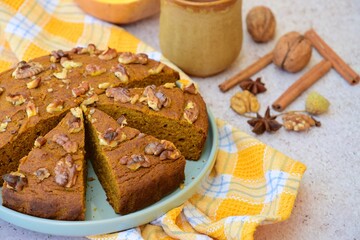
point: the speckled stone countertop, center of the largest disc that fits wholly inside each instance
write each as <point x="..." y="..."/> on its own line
<point x="327" y="206"/>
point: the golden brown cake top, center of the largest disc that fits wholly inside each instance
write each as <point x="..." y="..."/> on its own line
<point x="185" y="105"/>
<point x="50" y="85"/>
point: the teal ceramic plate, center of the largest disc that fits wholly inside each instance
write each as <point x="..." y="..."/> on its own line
<point x="100" y="217"/>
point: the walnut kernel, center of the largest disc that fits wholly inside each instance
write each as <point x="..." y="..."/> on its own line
<point x="191" y="112"/>
<point x="40" y="141"/>
<point x="108" y="54"/>
<point x="56" y="106"/>
<point x="243" y="102"/>
<point x="68" y="64"/>
<point x="66" y="172"/>
<point x="15" y="180"/>
<point x="77" y="112"/>
<point x="128" y="57"/>
<point x="81" y="89"/>
<point x="94" y="70"/>
<point x="121" y="121"/>
<point x="4" y="124"/>
<point x="91" y="100"/>
<point x="25" y="70"/>
<point x="104" y="85"/>
<point x="164" y="149"/>
<point x="135" y="161"/>
<point x="31" y="109"/>
<point x="16" y="99"/>
<point x="155" y="100"/>
<point x="34" y="83"/>
<point x="191" y="88"/>
<point x="169" y="85"/>
<point x="119" y="94"/>
<point x="55" y="56"/>
<point x="297" y="122"/>
<point x="157" y="69"/>
<point x="41" y="174"/>
<point x="62" y="74"/>
<point x="121" y="73"/>
<point x="64" y="141"/>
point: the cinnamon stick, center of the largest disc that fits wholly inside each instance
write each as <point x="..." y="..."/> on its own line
<point x="247" y="72"/>
<point x="340" y="66"/>
<point x="303" y="83"/>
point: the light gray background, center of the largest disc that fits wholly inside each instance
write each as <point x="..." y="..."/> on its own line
<point x="327" y="206"/>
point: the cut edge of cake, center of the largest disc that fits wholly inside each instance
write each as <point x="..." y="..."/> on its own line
<point x="135" y="169"/>
<point x="51" y="180"/>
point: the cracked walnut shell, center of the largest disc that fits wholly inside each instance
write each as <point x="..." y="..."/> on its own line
<point x="292" y="52"/>
<point x="243" y="102"/>
<point x="261" y="24"/>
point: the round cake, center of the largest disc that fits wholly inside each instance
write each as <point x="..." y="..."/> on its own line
<point x="35" y="97"/>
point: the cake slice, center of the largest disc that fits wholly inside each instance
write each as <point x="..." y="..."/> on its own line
<point x="166" y="112"/>
<point x="135" y="169"/>
<point x="50" y="180"/>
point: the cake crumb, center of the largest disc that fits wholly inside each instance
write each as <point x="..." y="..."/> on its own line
<point x="90" y="179"/>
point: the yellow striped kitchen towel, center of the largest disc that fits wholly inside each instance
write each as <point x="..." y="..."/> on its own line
<point x="250" y="184"/>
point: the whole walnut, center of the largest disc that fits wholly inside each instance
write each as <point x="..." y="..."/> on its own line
<point x="261" y="24"/>
<point x="292" y="52"/>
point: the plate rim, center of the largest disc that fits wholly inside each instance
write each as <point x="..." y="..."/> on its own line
<point x="77" y="228"/>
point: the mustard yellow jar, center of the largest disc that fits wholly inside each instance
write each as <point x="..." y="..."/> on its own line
<point x="201" y="37"/>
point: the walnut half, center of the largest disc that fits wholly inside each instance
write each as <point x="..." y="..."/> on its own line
<point x="298" y="122"/>
<point x="154" y="99"/>
<point x="128" y="57"/>
<point x="15" y="180"/>
<point x="41" y="174"/>
<point x="64" y="141"/>
<point x="191" y="112"/>
<point x="55" y="106"/>
<point x="164" y="149"/>
<point x="66" y="172"/>
<point x="119" y="94"/>
<point x="120" y="72"/>
<point x="25" y="70"/>
<point x="135" y="161"/>
<point x="108" y="54"/>
<point x="243" y="102"/>
<point x="16" y="99"/>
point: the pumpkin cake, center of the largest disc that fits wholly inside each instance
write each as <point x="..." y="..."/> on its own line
<point x="166" y="112"/>
<point x="50" y="181"/>
<point x="37" y="94"/>
<point x="135" y="169"/>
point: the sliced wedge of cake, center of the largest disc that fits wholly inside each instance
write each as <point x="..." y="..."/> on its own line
<point x="166" y="112"/>
<point x="135" y="169"/>
<point x="50" y="181"/>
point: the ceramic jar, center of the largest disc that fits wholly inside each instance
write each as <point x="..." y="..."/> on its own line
<point x="201" y="37"/>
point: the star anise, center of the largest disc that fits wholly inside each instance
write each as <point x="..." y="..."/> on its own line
<point x="252" y="86"/>
<point x="267" y="123"/>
